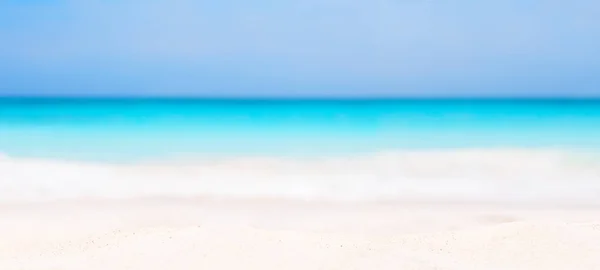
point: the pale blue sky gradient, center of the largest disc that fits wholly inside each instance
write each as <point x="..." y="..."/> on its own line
<point x="300" y="47"/>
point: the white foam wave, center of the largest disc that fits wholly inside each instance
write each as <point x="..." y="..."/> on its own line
<point x="465" y="175"/>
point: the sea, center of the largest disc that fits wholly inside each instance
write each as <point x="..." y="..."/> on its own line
<point x="493" y="150"/>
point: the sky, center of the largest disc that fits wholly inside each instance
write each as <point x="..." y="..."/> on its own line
<point x="290" y="48"/>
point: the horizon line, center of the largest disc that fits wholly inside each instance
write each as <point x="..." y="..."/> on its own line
<point x="279" y="97"/>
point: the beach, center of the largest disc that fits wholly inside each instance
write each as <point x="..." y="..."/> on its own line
<point x="282" y="184"/>
<point x="299" y="135"/>
<point x="275" y="234"/>
<point x="283" y="214"/>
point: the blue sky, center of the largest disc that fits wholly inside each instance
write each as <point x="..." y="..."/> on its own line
<point x="300" y="47"/>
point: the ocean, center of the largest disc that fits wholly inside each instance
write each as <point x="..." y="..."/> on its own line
<point x="360" y="149"/>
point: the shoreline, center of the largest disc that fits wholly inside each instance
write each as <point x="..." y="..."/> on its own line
<point x="501" y="176"/>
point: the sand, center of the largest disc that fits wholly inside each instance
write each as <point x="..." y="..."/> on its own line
<point x="275" y="234"/>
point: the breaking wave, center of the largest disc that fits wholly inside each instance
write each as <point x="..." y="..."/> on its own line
<point x="451" y="175"/>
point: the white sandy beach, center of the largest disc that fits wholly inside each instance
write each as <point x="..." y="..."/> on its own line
<point x="213" y="234"/>
<point x="520" y="210"/>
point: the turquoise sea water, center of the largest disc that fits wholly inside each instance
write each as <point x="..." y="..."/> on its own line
<point x="139" y="129"/>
